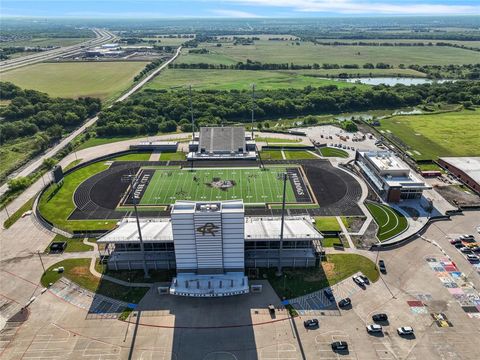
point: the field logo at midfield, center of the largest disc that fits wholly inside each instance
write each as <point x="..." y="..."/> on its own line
<point x="208" y="228"/>
<point x="297" y="184"/>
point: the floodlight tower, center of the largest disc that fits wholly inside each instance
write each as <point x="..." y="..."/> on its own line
<point x="191" y="112"/>
<point x="253" y="106"/>
<point x="284" y="176"/>
<point x="133" y="180"/>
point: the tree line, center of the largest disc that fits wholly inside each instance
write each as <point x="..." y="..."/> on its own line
<point x="153" y="111"/>
<point x="31" y="112"/>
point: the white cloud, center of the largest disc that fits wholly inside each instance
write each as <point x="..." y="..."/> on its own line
<point x="234" y="13"/>
<point x="364" y="7"/>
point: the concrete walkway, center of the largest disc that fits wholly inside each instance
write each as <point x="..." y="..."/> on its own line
<point x="106" y="277"/>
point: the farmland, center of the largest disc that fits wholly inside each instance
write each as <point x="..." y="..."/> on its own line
<point x="308" y="53"/>
<point x="428" y="137"/>
<point x="103" y="80"/>
<point x="238" y="80"/>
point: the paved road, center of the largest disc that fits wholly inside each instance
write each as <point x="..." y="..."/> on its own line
<point x="37" y="162"/>
<point x="102" y="37"/>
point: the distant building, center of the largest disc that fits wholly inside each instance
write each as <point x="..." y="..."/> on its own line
<point x="391" y="178"/>
<point x="220" y="143"/>
<point x="467" y="169"/>
<point x="210" y="244"/>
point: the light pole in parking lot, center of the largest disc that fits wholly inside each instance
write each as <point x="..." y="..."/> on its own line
<point x="284" y="176"/>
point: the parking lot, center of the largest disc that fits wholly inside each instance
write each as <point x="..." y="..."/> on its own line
<point x="174" y="328"/>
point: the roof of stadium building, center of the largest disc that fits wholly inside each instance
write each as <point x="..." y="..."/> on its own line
<point x="160" y="230"/>
<point x="469" y="165"/>
<point x="229" y="139"/>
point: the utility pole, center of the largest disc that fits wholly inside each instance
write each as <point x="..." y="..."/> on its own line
<point x="280" y="249"/>
<point x="142" y="249"/>
<point x="8" y="215"/>
<point x="253" y="106"/>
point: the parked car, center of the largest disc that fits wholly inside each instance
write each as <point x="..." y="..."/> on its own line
<point x="476" y="249"/>
<point x="365" y="279"/>
<point x="311" y="324"/>
<point x="339" y="346"/>
<point x="455" y="241"/>
<point x="359" y="281"/>
<point x="459" y="245"/>
<point x="405" y="330"/>
<point x="379" y="317"/>
<point x="473" y="258"/>
<point x="466" y="250"/>
<point x="328" y="294"/>
<point x="344" y="302"/>
<point x="466" y="237"/>
<point x="374" y="328"/>
<point x="381" y="266"/>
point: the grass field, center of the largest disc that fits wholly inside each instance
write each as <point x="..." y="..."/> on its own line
<point x="143" y="156"/>
<point x="276" y="140"/>
<point x="56" y="204"/>
<point x="390" y="222"/>
<point x="308" y="53"/>
<point x="299" y="281"/>
<point x="252" y="185"/>
<point x="238" y="80"/>
<point x="333" y="152"/>
<point x="103" y="80"/>
<point x="298" y="155"/>
<point x="73" y="244"/>
<point x="77" y="270"/>
<point x="435" y="135"/>
<point x="173" y="156"/>
<point x="271" y="155"/>
<point x="44" y="42"/>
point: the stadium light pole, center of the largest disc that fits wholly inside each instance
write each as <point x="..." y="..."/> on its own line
<point x="280" y="249"/>
<point x="253" y="106"/>
<point x="191" y="112"/>
<point x="142" y="248"/>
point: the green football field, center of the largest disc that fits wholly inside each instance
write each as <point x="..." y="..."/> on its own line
<point x="250" y="184"/>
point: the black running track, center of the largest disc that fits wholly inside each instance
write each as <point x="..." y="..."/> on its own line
<point x="336" y="191"/>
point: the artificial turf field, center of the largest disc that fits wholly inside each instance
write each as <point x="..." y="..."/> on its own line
<point x="390" y="222"/>
<point x="253" y="185"/>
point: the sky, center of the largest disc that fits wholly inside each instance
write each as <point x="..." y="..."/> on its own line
<point x="233" y="8"/>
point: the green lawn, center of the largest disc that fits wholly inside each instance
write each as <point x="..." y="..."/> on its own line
<point x="137" y="275"/>
<point x="14" y="153"/>
<point x="104" y="80"/>
<point x="298" y="155"/>
<point x="428" y="137"/>
<point x="309" y="53"/>
<point x="271" y="155"/>
<point x="143" y="156"/>
<point x="253" y="185"/>
<point x="77" y="270"/>
<point x="72" y="164"/>
<point x="332" y="241"/>
<point x="327" y="223"/>
<point x="301" y="281"/>
<point x="333" y="152"/>
<point x="173" y="156"/>
<point x="56" y="204"/>
<point x="73" y="244"/>
<point x="430" y="167"/>
<point x="390" y="222"/>
<point x="276" y="140"/>
<point x="17" y="214"/>
<point x="238" y="80"/>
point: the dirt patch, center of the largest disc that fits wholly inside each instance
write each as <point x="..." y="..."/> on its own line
<point x="457" y="196"/>
<point x="80" y="271"/>
<point x="329" y="269"/>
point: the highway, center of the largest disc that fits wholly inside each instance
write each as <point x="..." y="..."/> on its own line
<point x="35" y="163"/>
<point x="102" y="37"/>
